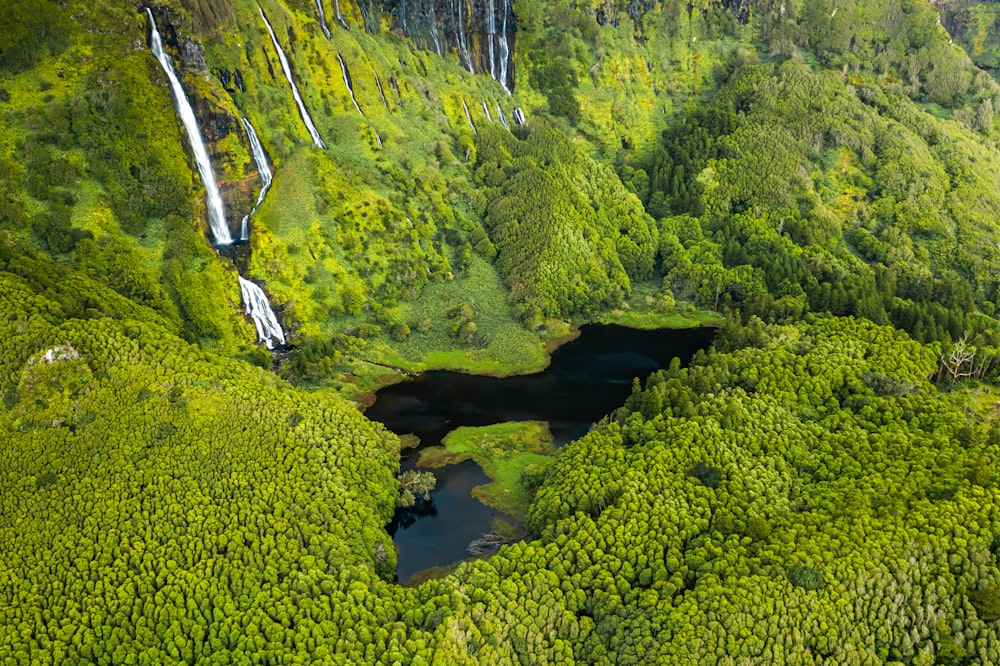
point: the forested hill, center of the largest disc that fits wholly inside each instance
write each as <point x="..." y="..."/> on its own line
<point x="455" y="184"/>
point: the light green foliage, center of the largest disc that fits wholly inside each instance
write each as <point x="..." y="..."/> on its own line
<point x="173" y="503"/>
<point x="514" y="456"/>
<point x="803" y="494"/>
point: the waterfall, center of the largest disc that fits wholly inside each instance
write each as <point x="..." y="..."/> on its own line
<point x="491" y="31"/>
<point x="395" y="85"/>
<point x="487" y="110"/>
<point x="378" y="140"/>
<point x="340" y="17"/>
<point x="263" y="170"/>
<point x="503" y="118"/>
<point x="347" y="82"/>
<point x="468" y="117"/>
<point x="257" y="307"/>
<point x="504" y="46"/>
<point x="216" y="213"/>
<point x="463" y="43"/>
<point x="519" y="116"/>
<point x="322" y="19"/>
<point x="261" y="159"/>
<point x="295" y="91"/>
<point x="434" y="32"/>
<point x="380" y="91"/>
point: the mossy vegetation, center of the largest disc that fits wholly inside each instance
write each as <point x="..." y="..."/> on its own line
<point x="819" y="488"/>
<point x="514" y="455"/>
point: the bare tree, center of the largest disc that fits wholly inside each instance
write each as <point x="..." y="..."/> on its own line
<point x="960" y="362"/>
<point x="487" y="544"/>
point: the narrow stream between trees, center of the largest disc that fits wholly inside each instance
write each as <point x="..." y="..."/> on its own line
<point x="587" y="378"/>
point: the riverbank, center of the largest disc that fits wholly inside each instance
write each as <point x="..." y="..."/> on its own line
<point x="513" y="454"/>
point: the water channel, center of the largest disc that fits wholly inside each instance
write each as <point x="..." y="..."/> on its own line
<point x="586" y="379"/>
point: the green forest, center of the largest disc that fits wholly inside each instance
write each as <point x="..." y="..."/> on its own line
<point x="819" y="180"/>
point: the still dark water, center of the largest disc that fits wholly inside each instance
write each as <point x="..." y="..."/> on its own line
<point x="587" y="378"/>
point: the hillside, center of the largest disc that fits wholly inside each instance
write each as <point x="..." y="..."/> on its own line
<point x="458" y="185"/>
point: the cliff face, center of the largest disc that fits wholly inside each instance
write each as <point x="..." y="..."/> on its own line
<point x="480" y="32"/>
<point x="973" y="25"/>
<point x="216" y="116"/>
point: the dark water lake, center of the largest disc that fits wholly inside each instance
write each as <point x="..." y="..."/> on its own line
<point x="586" y="379"/>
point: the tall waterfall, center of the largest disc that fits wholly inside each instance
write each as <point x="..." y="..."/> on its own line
<point x="257" y="307"/>
<point x="347" y="82"/>
<point x="491" y="30"/>
<point x="489" y="117"/>
<point x="340" y="17"/>
<point x="463" y="42"/>
<point x="213" y="199"/>
<point x="322" y="19"/>
<point x="468" y="116"/>
<point x="434" y="33"/>
<point x="504" y="47"/>
<point x="262" y="169"/>
<point x="381" y="92"/>
<point x="519" y="116"/>
<point x="291" y="82"/>
<point x="261" y="160"/>
<point x="503" y="118"/>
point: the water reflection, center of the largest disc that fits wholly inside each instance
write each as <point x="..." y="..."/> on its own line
<point x="586" y="379"/>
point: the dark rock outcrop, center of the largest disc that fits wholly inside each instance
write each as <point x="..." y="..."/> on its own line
<point x="192" y="56"/>
<point x="480" y="32"/>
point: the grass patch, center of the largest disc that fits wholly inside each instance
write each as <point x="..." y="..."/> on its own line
<point x="504" y="451"/>
<point x="650" y="319"/>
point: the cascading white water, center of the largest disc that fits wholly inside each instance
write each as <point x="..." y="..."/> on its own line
<point x="257" y="150"/>
<point x="463" y="44"/>
<point x="260" y="158"/>
<point x="519" y="116"/>
<point x="213" y="199"/>
<point x="504" y="47"/>
<point x="340" y="17"/>
<point x="487" y="110"/>
<point x="468" y="116"/>
<point x="257" y="307"/>
<point x="378" y="140"/>
<point x="347" y="82"/>
<point x="380" y="91"/>
<point x="503" y="118"/>
<point x="491" y="31"/>
<point x="291" y="82"/>
<point x="322" y="19"/>
<point x="434" y="32"/>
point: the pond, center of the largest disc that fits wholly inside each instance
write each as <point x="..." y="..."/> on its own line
<point x="586" y="379"/>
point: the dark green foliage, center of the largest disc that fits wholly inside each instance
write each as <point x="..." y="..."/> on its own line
<point x="986" y="601"/>
<point x="136" y="153"/>
<point x="569" y="236"/>
<point x="806" y="577"/>
<point x="32" y="29"/>
<point x="802" y="494"/>
<point x="210" y="15"/>
<point x="708" y="476"/>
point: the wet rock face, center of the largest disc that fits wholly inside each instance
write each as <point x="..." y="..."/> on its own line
<point x="192" y="56"/>
<point x="236" y="182"/>
<point x="480" y="32"/>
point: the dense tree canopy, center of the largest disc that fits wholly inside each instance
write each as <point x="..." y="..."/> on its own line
<point x="819" y="488"/>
